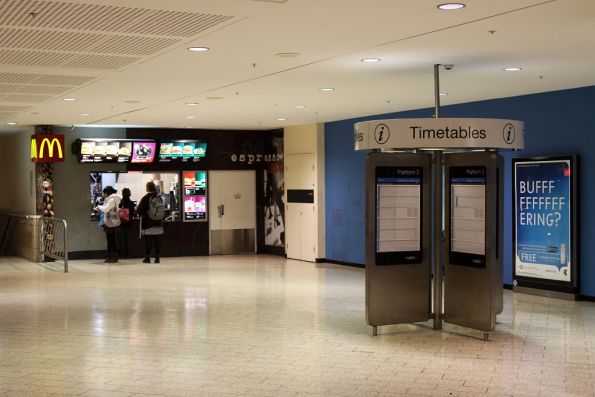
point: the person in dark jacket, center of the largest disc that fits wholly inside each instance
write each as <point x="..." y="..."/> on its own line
<point x="125" y="226"/>
<point x="151" y="229"/>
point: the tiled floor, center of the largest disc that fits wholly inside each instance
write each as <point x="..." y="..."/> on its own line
<point x="264" y="326"/>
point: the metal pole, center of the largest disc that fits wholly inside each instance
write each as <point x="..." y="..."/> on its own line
<point x="437" y="232"/>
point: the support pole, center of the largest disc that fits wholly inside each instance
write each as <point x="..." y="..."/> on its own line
<point x="437" y="201"/>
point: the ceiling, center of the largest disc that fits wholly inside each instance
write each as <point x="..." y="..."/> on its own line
<point x="126" y="61"/>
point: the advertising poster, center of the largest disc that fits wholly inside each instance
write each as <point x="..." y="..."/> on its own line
<point x="100" y="151"/>
<point x="182" y="151"/>
<point x="543" y="219"/>
<point x="274" y="188"/>
<point x="195" y="195"/>
<point x="143" y="152"/>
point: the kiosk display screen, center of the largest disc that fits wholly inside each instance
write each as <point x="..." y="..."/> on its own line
<point x="543" y="202"/>
<point x="195" y="196"/>
<point x="143" y="152"/>
<point x="467" y="213"/>
<point x="182" y="151"/>
<point x="105" y="151"/>
<point x="398" y="213"/>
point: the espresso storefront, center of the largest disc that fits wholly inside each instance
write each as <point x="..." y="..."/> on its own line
<point x="182" y="164"/>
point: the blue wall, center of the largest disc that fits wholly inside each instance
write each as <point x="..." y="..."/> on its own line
<point x="556" y="123"/>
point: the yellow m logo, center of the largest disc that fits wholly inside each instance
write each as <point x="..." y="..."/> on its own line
<point x="45" y="150"/>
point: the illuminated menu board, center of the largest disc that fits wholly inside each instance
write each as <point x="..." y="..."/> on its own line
<point x="105" y="151"/>
<point x="143" y="152"/>
<point x="195" y="196"/>
<point x="182" y="151"/>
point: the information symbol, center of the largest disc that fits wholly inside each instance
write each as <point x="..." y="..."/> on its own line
<point x="508" y="133"/>
<point x="381" y="133"/>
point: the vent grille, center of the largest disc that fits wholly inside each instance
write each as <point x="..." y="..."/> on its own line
<point x="25" y="98"/>
<point x="107" y="62"/>
<point x="13" y="109"/>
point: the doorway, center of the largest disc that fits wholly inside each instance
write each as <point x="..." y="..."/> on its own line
<point x="232" y="209"/>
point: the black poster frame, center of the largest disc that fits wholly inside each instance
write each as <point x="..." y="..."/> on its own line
<point x="572" y="286"/>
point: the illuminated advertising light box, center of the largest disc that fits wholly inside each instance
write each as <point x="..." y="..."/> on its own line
<point x="545" y="224"/>
<point x="195" y="196"/>
<point x="143" y="152"/>
<point x="105" y="151"/>
<point x="182" y="151"/>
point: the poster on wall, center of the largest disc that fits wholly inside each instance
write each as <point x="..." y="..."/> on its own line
<point x="195" y="196"/>
<point x="544" y="218"/>
<point x="274" y="189"/>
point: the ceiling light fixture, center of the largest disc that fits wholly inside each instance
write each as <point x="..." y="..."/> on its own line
<point x="370" y="60"/>
<point x="512" y="69"/>
<point x="214" y="98"/>
<point x="198" y="49"/>
<point x="299" y="106"/>
<point x="281" y="119"/>
<point x="69" y="99"/>
<point x="451" y="6"/>
<point x="191" y="104"/>
<point x="444" y="94"/>
<point x="11" y="123"/>
<point x="189" y="117"/>
<point x="288" y="54"/>
<point x="85" y="114"/>
<point x="327" y="89"/>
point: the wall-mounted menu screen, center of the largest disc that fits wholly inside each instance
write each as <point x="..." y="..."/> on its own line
<point x="143" y="152"/>
<point x="398" y="215"/>
<point x="195" y="196"/>
<point x="105" y="151"/>
<point x="182" y="151"/>
<point x="467" y="213"/>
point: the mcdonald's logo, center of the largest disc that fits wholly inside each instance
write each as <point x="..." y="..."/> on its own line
<point x="47" y="148"/>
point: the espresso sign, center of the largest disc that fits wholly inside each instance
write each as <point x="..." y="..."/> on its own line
<point x="439" y="133"/>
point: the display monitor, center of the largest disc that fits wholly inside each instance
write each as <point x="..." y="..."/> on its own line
<point x="105" y="151"/>
<point x="195" y="196"/>
<point x="182" y="151"/>
<point x="143" y="152"/>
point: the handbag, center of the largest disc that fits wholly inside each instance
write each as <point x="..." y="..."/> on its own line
<point x="112" y="219"/>
<point x="124" y="214"/>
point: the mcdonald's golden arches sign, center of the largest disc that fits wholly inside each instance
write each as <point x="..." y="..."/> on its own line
<point x="47" y="148"/>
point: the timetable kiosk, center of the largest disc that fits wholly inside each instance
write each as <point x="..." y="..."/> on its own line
<point x="398" y="238"/>
<point x="434" y="219"/>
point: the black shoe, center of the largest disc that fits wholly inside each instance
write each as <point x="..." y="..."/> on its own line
<point x="146" y="260"/>
<point x="157" y="260"/>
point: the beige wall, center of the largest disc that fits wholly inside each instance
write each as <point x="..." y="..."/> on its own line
<point x="18" y="173"/>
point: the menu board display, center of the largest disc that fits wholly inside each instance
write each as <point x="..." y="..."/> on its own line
<point x="105" y="151"/>
<point x="143" y="152"/>
<point x="182" y="151"/>
<point x="195" y="195"/>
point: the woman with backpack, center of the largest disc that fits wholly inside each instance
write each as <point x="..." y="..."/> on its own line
<point x="151" y="209"/>
<point x="111" y="221"/>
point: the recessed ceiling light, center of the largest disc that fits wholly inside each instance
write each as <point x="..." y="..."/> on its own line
<point x="70" y="99"/>
<point x="191" y="104"/>
<point x="326" y="89"/>
<point x="288" y="54"/>
<point x="512" y="69"/>
<point x="451" y="6"/>
<point x="189" y="117"/>
<point x="85" y="114"/>
<point x="11" y="123"/>
<point x="198" y="49"/>
<point x="188" y="126"/>
<point x="299" y="106"/>
<point x="281" y="119"/>
<point x="370" y="60"/>
<point x="443" y="93"/>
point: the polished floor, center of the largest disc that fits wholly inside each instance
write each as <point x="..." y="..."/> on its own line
<point x="265" y="326"/>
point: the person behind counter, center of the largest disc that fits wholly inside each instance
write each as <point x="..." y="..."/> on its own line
<point x="111" y="221"/>
<point x="126" y="224"/>
<point x="151" y="211"/>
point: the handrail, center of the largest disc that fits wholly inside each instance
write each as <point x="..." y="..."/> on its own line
<point x="53" y="240"/>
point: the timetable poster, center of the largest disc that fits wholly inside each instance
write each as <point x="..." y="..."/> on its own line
<point x="543" y="220"/>
<point x="398" y="215"/>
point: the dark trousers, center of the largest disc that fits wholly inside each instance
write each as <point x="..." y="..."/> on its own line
<point x="112" y="246"/>
<point x="124" y="233"/>
<point x="152" y="240"/>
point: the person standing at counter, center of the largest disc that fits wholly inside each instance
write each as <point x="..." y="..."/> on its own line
<point x="151" y="209"/>
<point x="111" y="221"/>
<point x="126" y="223"/>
